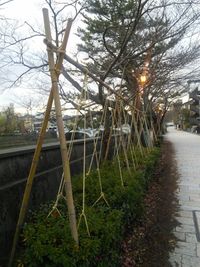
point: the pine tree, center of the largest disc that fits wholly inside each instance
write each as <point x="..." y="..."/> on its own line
<point x="118" y="35"/>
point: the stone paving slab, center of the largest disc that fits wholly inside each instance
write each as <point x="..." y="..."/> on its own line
<point x="185" y="213"/>
<point x="187" y="152"/>
<point x="188" y="261"/>
<point x="196" y="216"/>
<point x="198" y="250"/>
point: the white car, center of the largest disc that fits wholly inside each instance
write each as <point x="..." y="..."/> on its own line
<point x="78" y="134"/>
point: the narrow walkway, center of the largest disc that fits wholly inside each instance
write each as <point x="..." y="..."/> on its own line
<point x="187" y="153"/>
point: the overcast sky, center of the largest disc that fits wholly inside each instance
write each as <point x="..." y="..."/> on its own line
<point x="21" y="10"/>
<point x="30" y="11"/>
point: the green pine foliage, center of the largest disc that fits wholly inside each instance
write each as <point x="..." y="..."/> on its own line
<point x="121" y="29"/>
<point x="47" y="240"/>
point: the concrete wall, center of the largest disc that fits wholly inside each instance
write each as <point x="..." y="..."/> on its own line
<point x="14" y="168"/>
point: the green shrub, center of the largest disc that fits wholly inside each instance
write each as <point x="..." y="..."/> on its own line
<point x="47" y="240"/>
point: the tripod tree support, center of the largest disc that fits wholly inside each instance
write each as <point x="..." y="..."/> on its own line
<point x="54" y="72"/>
<point x="35" y="160"/>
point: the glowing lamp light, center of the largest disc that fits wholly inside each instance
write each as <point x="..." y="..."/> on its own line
<point x="143" y="78"/>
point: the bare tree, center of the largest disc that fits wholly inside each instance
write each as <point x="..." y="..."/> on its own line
<point x="118" y="48"/>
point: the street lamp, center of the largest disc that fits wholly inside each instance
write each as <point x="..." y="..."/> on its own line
<point x="143" y="79"/>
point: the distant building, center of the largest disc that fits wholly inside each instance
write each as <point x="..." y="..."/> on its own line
<point x="186" y="115"/>
<point x="28" y="121"/>
<point x="34" y="123"/>
<point x="194" y="107"/>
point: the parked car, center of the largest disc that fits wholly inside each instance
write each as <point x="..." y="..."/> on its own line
<point x="117" y="131"/>
<point x="91" y="132"/>
<point x="170" y="124"/>
<point x="195" y="129"/>
<point x="122" y="130"/>
<point x="75" y="135"/>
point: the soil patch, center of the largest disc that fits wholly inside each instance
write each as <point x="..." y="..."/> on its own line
<point x="152" y="239"/>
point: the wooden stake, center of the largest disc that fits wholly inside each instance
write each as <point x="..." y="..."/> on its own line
<point x="29" y="182"/>
<point x="60" y="125"/>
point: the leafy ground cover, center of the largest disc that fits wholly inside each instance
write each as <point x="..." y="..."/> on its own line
<point x="46" y="240"/>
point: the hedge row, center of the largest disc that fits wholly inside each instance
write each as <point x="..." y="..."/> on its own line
<point x="47" y="241"/>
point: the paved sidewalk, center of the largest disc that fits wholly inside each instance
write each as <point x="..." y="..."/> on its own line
<point x="187" y="152"/>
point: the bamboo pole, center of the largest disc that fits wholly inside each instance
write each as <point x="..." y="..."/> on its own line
<point x="30" y="178"/>
<point x="60" y="125"/>
<point x="120" y="108"/>
<point x="35" y="160"/>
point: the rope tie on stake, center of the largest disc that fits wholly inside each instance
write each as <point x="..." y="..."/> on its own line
<point x="83" y="215"/>
<point x="128" y="139"/>
<point x="136" y="128"/>
<point x="147" y="131"/>
<point x="55" y="208"/>
<point x="119" y="125"/>
<point x="121" y="110"/>
<point x="61" y="186"/>
<point x="129" y="144"/>
<point x="117" y="149"/>
<point x="61" y="51"/>
<point x="94" y="154"/>
<point x="58" y="197"/>
<point x="143" y="125"/>
<point x="102" y="196"/>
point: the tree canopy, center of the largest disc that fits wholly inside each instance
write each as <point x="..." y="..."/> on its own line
<point x="120" y="41"/>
